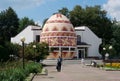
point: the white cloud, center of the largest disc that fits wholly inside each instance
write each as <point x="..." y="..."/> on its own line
<point x="38" y="23"/>
<point x="20" y="4"/>
<point x="113" y="8"/>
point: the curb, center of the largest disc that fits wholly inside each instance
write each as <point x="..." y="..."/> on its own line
<point x="43" y="72"/>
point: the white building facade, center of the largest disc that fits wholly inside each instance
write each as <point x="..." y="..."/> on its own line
<point x="31" y="34"/>
<point x="59" y="33"/>
<point x="87" y="42"/>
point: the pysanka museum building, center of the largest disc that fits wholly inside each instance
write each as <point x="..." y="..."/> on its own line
<point x="66" y="40"/>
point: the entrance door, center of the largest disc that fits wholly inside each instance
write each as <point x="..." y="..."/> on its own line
<point x="81" y="53"/>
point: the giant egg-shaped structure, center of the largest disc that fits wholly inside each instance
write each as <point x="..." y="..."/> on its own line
<point x="59" y="33"/>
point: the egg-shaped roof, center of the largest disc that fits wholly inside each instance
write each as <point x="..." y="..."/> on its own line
<point x="58" y="31"/>
<point x="58" y="22"/>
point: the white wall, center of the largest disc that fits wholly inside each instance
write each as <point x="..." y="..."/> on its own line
<point x="36" y="32"/>
<point x="89" y="37"/>
<point x="86" y="34"/>
<point x="92" y="39"/>
<point x="27" y="33"/>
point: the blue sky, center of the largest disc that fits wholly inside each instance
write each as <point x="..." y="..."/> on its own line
<point x="38" y="10"/>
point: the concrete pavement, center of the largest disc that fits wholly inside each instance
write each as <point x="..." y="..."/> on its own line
<point x="78" y="72"/>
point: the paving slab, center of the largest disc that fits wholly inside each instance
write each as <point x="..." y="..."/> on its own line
<point x="78" y="72"/>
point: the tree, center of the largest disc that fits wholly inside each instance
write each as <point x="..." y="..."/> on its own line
<point x="64" y="11"/>
<point x="24" y="22"/>
<point x="95" y="19"/>
<point x="38" y="53"/>
<point x="8" y="24"/>
<point x="44" y="22"/>
<point x="4" y="55"/>
<point x="108" y="48"/>
<point x="13" y="49"/>
<point x="116" y="39"/>
<point x="77" y="16"/>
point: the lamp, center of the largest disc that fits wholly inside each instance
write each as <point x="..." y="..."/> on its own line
<point x="110" y="47"/>
<point x="104" y="48"/>
<point x="23" y="40"/>
<point x="107" y="54"/>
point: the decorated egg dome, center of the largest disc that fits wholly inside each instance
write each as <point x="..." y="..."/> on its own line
<point x="59" y="33"/>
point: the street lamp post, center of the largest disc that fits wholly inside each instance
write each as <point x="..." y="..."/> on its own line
<point x="107" y="54"/>
<point x="34" y="46"/>
<point x="110" y="48"/>
<point x="104" y="52"/>
<point x="23" y="40"/>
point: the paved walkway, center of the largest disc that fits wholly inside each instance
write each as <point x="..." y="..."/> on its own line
<point x="77" y="72"/>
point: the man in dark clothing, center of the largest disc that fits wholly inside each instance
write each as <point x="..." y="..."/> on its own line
<point x="59" y="63"/>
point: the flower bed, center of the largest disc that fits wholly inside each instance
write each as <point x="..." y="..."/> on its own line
<point x="17" y="73"/>
<point x="112" y="66"/>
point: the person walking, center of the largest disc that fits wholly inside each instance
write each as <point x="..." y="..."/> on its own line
<point x="59" y="63"/>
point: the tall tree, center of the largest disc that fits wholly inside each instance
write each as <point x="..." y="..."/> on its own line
<point x="95" y="19"/>
<point x="77" y="16"/>
<point x="99" y="22"/>
<point x="8" y="24"/>
<point x="64" y="11"/>
<point x="116" y="39"/>
<point x="24" y="22"/>
<point x="44" y="21"/>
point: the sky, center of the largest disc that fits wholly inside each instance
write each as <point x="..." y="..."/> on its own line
<point x="38" y="10"/>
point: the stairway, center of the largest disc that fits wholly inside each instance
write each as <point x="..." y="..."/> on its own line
<point x="54" y="62"/>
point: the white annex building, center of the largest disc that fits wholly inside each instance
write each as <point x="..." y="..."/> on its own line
<point x="78" y="42"/>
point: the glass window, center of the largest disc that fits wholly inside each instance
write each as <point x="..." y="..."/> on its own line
<point x="37" y="38"/>
<point x="78" y="38"/>
<point x="65" y="48"/>
<point x="73" y="49"/>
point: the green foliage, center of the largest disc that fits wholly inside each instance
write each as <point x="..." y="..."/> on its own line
<point x="8" y="24"/>
<point x="33" y="68"/>
<point x="4" y="54"/>
<point x="38" y="53"/>
<point x="111" y="52"/>
<point x="13" y="48"/>
<point x="64" y="11"/>
<point x="44" y="22"/>
<point x="96" y="20"/>
<point x="77" y="16"/>
<point x="9" y="49"/>
<point x="17" y="73"/>
<point x="93" y="17"/>
<point x="24" y="22"/>
<point x="116" y="39"/>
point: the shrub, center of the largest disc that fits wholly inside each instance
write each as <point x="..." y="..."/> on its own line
<point x="113" y="65"/>
<point x="4" y="55"/>
<point x="18" y="73"/>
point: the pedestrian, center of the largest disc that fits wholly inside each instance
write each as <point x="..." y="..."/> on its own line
<point x="59" y="63"/>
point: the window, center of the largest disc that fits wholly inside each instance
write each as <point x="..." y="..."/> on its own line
<point x="65" y="48"/>
<point x="37" y="38"/>
<point x="72" y="49"/>
<point x="78" y="38"/>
